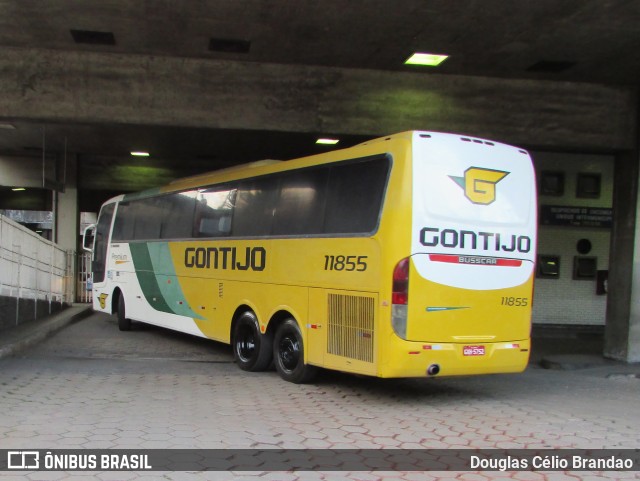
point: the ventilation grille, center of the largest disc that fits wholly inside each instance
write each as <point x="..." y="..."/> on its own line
<point x="351" y="327"/>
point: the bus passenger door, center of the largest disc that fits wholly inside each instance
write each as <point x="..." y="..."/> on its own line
<point x="99" y="262"/>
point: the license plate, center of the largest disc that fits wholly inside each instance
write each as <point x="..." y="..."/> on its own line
<point x="473" y="350"/>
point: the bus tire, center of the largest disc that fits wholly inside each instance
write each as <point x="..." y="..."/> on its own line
<point x="288" y="354"/>
<point x="252" y="350"/>
<point x="124" y="324"/>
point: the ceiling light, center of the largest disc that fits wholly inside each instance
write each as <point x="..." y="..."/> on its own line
<point x="326" y="141"/>
<point x="428" y="59"/>
<point x="140" y="154"/>
<point x="18" y="189"/>
<point x="7" y="126"/>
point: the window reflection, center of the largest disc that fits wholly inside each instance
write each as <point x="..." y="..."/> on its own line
<point x="214" y="210"/>
<point x="341" y="198"/>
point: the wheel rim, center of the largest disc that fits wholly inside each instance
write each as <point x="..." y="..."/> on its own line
<point x="289" y="352"/>
<point x="246" y="344"/>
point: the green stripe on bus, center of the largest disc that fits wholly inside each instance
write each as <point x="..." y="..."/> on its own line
<point x="147" y="278"/>
<point x="168" y="281"/>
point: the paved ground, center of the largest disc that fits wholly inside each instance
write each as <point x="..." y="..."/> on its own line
<point x="92" y="386"/>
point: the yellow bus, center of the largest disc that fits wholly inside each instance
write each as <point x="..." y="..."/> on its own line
<point x="406" y="256"/>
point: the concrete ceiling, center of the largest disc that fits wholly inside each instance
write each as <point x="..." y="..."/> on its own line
<point x="483" y="37"/>
<point x="593" y="41"/>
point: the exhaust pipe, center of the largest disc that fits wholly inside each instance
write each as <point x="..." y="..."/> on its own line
<point x="433" y="369"/>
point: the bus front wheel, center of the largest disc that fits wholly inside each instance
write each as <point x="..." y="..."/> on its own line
<point x="288" y="353"/>
<point x="251" y="349"/>
<point x="124" y="324"/>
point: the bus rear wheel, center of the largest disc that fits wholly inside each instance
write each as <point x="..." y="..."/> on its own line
<point x="288" y="354"/>
<point x="251" y="349"/>
<point x="124" y="324"/>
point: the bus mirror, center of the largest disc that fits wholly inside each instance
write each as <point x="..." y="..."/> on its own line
<point x="87" y="237"/>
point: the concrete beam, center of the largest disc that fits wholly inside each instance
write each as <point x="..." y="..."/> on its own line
<point x="25" y="171"/>
<point x="52" y="86"/>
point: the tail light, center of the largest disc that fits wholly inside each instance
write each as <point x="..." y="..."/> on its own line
<point x="400" y="293"/>
<point x="400" y="298"/>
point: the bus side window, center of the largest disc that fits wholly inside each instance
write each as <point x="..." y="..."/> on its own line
<point x="253" y="213"/>
<point x="177" y="220"/>
<point x="147" y="213"/>
<point x="224" y="225"/>
<point x="214" y="212"/>
<point x="123" y="226"/>
<point x="355" y="196"/>
<point x="301" y="202"/>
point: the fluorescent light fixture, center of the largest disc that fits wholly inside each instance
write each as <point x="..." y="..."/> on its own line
<point x="6" y="126"/>
<point x="428" y="59"/>
<point x="327" y="141"/>
<point x="140" y="154"/>
<point x="18" y="189"/>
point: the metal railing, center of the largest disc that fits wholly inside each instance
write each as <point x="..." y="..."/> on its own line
<point x="84" y="277"/>
<point x="32" y="267"/>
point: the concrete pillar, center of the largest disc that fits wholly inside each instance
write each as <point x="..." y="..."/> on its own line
<point x="622" y="329"/>
<point x="67" y="216"/>
<point x="633" y="351"/>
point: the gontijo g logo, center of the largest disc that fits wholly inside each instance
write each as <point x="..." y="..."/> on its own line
<point x="480" y="184"/>
<point x="102" y="298"/>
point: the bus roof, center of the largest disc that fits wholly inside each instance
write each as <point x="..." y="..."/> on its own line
<point x="261" y="167"/>
<point x="247" y="168"/>
<point x="225" y="170"/>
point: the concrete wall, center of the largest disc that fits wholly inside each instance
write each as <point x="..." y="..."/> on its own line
<point x="565" y="300"/>
<point x="35" y="275"/>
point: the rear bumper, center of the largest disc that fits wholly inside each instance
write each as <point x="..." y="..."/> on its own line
<point x="413" y="359"/>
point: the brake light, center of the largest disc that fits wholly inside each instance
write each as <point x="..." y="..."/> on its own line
<point x="400" y="294"/>
<point x="400" y="298"/>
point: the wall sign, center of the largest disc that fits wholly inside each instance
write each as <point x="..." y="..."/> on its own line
<point x="559" y="215"/>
